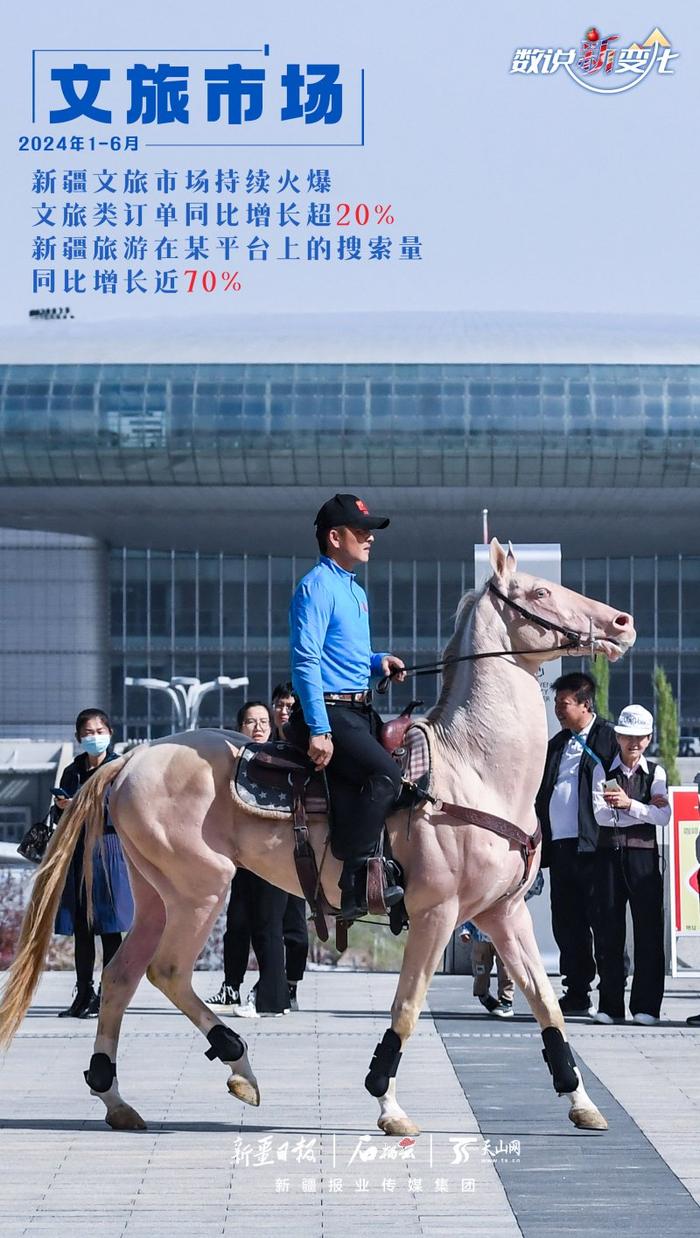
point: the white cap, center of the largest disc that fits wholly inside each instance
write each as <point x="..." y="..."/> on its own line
<point x="635" y="720"/>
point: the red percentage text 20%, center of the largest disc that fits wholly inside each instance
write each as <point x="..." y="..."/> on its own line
<point x="208" y="281"/>
<point x="362" y="213"/>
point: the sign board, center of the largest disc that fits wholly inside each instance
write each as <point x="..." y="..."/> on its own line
<point x="684" y="869"/>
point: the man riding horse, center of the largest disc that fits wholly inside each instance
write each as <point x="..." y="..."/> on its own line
<point x="332" y="661"/>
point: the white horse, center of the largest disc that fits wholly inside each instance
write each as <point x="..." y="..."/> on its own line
<point x="183" y="837"/>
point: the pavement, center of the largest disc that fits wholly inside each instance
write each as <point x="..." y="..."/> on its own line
<point x="497" y="1154"/>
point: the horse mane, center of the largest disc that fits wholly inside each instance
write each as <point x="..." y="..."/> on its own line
<point x="453" y="646"/>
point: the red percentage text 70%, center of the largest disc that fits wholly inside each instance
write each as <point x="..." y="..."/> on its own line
<point x="362" y="213"/>
<point x="207" y="281"/>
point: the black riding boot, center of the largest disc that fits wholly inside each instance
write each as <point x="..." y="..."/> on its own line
<point x="353" y="886"/>
<point x="85" y="995"/>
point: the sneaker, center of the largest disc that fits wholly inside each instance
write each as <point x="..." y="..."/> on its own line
<point x="489" y="1002"/>
<point x="572" y="1005"/>
<point x="293" y="1002"/>
<point x="503" y="1010"/>
<point x="601" y="1016"/>
<point x="271" y="1014"/>
<point x="225" y="999"/>
<point x="646" y="1020"/>
<point x="693" y="1020"/>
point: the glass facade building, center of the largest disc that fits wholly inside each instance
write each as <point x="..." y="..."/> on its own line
<point x="359" y="425"/>
<point x="117" y="452"/>
<point x="209" y="615"/>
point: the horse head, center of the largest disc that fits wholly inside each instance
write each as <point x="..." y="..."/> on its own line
<point x="548" y="620"/>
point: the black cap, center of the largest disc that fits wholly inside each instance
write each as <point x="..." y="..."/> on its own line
<point x="347" y="509"/>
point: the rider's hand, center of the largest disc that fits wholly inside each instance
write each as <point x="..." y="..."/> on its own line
<point x="320" y="750"/>
<point x="397" y="665"/>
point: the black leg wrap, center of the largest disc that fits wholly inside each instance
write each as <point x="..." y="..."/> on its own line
<point x="384" y="1064"/>
<point x="225" y="1044"/>
<point x="101" y="1074"/>
<point x="560" y="1061"/>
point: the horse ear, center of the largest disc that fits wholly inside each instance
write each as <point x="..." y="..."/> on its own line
<point x="497" y="557"/>
<point x="511" y="561"/>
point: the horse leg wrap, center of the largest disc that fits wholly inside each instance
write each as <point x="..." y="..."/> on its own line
<point x="384" y="1064"/>
<point x="225" y="1044"/>
<point x="560" y="1061"/>
<point x="101" y="1074"/>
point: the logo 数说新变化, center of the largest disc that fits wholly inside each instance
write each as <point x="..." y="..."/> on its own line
<point x="598" y="59"/>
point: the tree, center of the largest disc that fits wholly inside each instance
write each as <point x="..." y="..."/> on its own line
<point x="600" y="669"/>
<point x="667" y="730"/>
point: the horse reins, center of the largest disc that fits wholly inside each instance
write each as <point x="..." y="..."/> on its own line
<point x="574" y="641"/>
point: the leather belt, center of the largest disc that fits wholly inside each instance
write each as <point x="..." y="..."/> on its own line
<point x="348" y="698"/>
<point x="614" y="839"/>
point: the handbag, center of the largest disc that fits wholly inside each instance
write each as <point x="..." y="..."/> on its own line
<point x="36" y="840"/>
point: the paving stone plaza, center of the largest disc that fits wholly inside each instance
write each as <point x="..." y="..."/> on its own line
<point x="497" y="1154"/>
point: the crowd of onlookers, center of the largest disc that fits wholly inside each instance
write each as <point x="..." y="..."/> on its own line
<point x="601" y="804"/>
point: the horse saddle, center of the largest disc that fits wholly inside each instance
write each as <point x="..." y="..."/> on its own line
<point x="269" y="777"/>
<point x="276" y="780"/>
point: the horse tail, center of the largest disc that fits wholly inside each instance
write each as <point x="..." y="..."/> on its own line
<point x="37" y="925"/>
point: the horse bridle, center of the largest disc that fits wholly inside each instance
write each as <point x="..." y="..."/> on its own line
<point x="575" y="640"/>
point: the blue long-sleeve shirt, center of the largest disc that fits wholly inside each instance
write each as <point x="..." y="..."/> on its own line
<point x="330" y="642"/>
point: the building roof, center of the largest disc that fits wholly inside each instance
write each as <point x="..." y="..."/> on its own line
<point x="410" y="337"/>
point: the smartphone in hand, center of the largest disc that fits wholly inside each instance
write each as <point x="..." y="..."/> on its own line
<point x="60" y="794"/>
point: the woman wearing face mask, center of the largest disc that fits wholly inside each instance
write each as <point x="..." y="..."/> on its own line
<point x="254" y="916"/>
<point x="113" y="907"/>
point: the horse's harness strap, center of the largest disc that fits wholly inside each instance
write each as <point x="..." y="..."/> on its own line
<point x="528" y="843"/>
<point x="304" y="858"/>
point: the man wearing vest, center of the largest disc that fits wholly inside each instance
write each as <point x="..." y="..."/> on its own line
<point x="332" y="661"/>
<point x="564" y="807"/>
<point x="626" y="870"/>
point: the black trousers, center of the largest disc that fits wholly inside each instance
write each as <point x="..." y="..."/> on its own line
<point x="363" y="780"/>
<point x="295" y="932"/>
<point x="84" y="942"/>
<point x="254" y="915"/>
<point x="621" y="876"/>
<point x="570" y="876"/>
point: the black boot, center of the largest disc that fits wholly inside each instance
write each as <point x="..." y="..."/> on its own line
<point x="84" y="995"/>
<point x="92" y="1010"/>
<point x="353" y="886"/>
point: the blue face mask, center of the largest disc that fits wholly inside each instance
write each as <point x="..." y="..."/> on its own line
<point x="94" y="745"/>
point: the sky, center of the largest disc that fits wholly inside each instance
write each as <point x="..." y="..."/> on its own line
<point x="528" y="192"/>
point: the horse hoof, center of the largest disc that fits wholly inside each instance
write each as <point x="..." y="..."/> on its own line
<point x="398" y="1126"/>
<point x="588" y="1119"/>
<point x="244" y="1090"/>
<point x="124" y="1118"/>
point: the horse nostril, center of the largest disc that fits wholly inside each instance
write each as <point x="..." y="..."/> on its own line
<point x="622" y="620"/>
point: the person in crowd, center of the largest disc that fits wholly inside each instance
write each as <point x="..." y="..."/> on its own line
<point x="630" y="800"/>
<point x="483" y="954"/>
<point x="254" y="915"/>
<point x="294" y="927"/>
<point x="113" y="908"/>
<point x="564" y="807"/>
